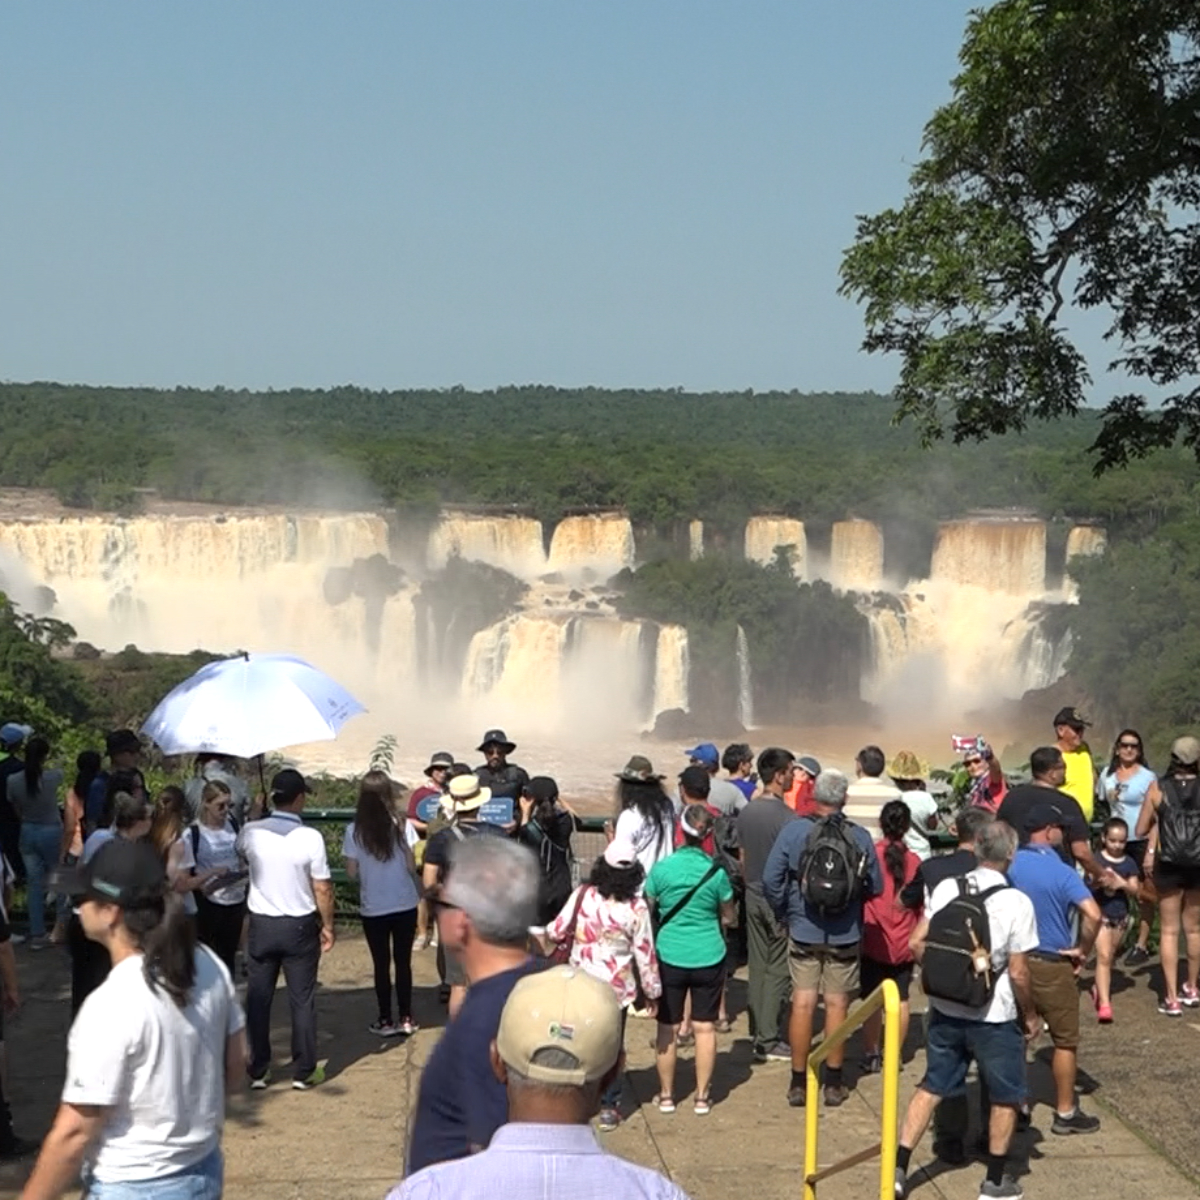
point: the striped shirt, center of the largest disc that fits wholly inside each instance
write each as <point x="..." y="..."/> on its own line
<point x="864" y="799"/>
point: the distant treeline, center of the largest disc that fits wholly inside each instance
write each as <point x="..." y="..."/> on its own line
<point x="665" y="456"/>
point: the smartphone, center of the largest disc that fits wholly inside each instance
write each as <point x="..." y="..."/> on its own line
<point x="962" y="744"/>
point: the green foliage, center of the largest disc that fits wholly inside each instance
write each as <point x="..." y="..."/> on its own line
<point x="127" y="685"/>
<point x="1063" y="172"/>
<point x="384" y="753"/>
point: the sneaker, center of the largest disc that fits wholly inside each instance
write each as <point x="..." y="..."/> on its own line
<point x="310" y="1081"/>
<point x="16" y="1148"/>
<point x="1136" y="956"/>
<point x="901" y="1185"/>
<point x="39" y="943"/>
<point x="797" y="1097"/>
<point x="1007" y="1189"/>
<point x="1189" y="997"/>
<point x="1171" y="1008"/>
<point x="872" y="1064"/>
<point x="608" y="1120"/>
<point x="1077" y="1122"/>
<point x="422" y="942"/>
<point x="951" y="1151"/>
<point x="1104" y="1014"/>
<point x="261" y="1083"/>
<point x="836" y="1094"/>
<point x="775" y="1052"/>
<point x="407" y="1027"/>
<point x="384" y="1029"/>
<point x="17" y="939"/>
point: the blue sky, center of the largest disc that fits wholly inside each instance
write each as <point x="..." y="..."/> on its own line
<point x="402" y="194"/>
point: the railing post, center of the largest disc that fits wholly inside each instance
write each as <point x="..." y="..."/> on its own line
<point x="810" y="1127"/>
<point x="890" y="1112"/>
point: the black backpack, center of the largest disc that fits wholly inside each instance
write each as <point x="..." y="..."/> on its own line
<point x="726" y="845"/>
<point x="957" y="964"/>
<point x="1179" y="823"/>
<point x="831" y="866"/>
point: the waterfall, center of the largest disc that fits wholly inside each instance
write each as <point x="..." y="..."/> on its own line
<point x="597" y="545"/>
<point x="1086" y="540"/>
<point x="695" y="540"/>
<point x="763" y="534"/>
<point x="671" y="665"/>
<point x="745" y="708"/>
<point x="514" y="544"/>
<point x="856" y="556"/>
<point x="999" y="554"/>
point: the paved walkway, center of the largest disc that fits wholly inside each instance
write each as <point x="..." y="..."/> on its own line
<point x="346" y="1139"/>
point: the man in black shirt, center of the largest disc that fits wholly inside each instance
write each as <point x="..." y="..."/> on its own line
<point x="505" y="780"/>
<point x="12" y="738"/>
<point x="967" y="823"/>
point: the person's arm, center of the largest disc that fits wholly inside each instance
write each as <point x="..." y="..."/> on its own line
<point x="8" y="975"/>
<point x="351" y="865"/>
<point x="1018" y="974"/>
<point x="75" y="1127"/>
<point x="71" y="814"/>
<point x="1089" y="927"/>
<point x="235" y="1062"/>
<point x="1148" y="815"/>
<point x="874" y="878"/>
<point x="644" y="956"/>
<point x="775" y="875"/>
<point x="323" y="895"/>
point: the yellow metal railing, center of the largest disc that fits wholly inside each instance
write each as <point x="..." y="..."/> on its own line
<point x="887" y="997"/>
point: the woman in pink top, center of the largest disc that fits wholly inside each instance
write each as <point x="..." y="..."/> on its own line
<point x="610" y="924"/>
<point x="887" y="927"/>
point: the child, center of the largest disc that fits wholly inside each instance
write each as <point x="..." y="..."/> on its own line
<point x="1114" y="911"/>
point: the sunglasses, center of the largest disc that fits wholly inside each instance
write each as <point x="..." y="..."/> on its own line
<point x="438" y="902"/>
<point x="972" y="762"/>
<point x="1129" y="745"/>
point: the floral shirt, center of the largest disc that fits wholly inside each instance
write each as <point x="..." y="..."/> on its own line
<point x="611" y="936"/>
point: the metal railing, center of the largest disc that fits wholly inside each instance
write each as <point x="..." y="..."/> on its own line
<point x="887" y="997"/>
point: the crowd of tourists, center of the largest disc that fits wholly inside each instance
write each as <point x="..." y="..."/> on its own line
<point x="828" y="885"/>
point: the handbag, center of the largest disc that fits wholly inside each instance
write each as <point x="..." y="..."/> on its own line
<point x="680" y="905"/>
<point x="560" y="956"/>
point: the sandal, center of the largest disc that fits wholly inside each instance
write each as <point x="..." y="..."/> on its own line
<point x="666" y="1105"/>
<point x="702" y="1106"/>
<point x="725" y="1025"/>
<point x="685" y="1041"/>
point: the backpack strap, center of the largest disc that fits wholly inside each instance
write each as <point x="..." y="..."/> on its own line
<point x="194" y="831"/>
<point x="680" y="905"/>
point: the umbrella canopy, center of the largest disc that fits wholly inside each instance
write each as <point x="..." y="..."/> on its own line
<point x="248" y="705"/>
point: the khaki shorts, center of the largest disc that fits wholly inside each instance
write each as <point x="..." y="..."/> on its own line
<point x="1056" y="999"/>
<point x="829" y="970"/>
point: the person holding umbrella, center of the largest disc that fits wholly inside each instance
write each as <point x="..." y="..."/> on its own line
<point x="503" y="779"/>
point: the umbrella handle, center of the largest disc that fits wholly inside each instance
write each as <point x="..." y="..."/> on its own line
<point x="262" y="779"/>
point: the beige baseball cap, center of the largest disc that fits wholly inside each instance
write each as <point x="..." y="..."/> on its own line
<point x="564" y="1009"/>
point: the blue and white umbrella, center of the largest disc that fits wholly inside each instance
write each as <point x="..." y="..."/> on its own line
<point x="248" y="705"/>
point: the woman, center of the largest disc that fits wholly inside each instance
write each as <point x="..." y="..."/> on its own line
<point x="607" y="924"/>
<point x="1169" y="819"/>
<point x="909" y="773"/>
<point x="166" y="836"/>
<point x="887" y="927"/>
<point x="546" y="828"/>
<point x="130" y="819"/>
<point x="1126" y="784"/>
<point x="33" y="794"/>
<point x="377" y="855"/>
<point x="693" y="898"/>
<point x="221" y="904"/>
<point x="152" y="1052"/>
<point x="645" y="814"/>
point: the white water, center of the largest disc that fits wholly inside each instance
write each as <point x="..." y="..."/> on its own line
<point x="594" y="546"/>
<point x="764" y="534"/>
<point x="671" y="664"/>
<point x="745" y="681"/>
<point x="695" y="540"/>
<point x="514" y="544"/>
<point x="856" y="556"/>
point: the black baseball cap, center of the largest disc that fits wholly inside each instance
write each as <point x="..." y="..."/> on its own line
<point x="120" y="741"/>
<point x="1044" y="815"/>
<point x="542" y="787"/>
<point x="122" y="872"/>
<point x="1071" y="717"/>
<point x="288" y="784"/>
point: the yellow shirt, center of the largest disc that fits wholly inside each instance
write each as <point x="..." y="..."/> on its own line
<point x="1081" y="780"/>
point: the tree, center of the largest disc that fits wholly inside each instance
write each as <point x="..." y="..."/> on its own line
<point x="1064" y="172"/>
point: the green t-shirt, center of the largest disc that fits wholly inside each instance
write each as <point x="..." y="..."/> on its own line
<point x="693" y="937"/>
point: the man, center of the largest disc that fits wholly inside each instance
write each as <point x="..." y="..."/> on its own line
<point x="124" y="750"/>
<point x="727" y="799"/>
<point x="12" y="738"/>
<point x="870" y="791"/>
<point x="823" y="956"/>
<point x="220" y="768"/>
<point x="505" y="780"/>
<point x="1080" y="781"/>
<point x="966" y="824"/>
<point x="758" y="826"/>
<point x="461" y="805"/>
<point x="694" y="783"/>
<point x="1048" y="768"/>
<point x="990" y="1036"/>
<point x="1055" y="890"/>
<point x="557" y="1048"/>
<point x="738" y="761"/>
<point x="291" y="926"/>
<point x="799" y="797"/>
<point x="485" y="908"/>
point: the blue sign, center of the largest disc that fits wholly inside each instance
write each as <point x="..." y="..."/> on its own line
<point x="497" y="812"/>
<point x="427" y="809"/>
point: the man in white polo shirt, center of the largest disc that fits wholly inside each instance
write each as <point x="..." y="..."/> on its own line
<point x="870" y="791"/>
<point x="291" y="925"/>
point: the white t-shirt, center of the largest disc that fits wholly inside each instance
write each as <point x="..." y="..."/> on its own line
<point x="1013" y="928"/>
<point x="383" y="887"/>
<point x="649" y="847"/>
<point x="921" y="806"/>
<point x="218" y="848"/>
<point x="160" y="1068"/>
<point x="96" y="839"/>
<point x="284" y="857"/>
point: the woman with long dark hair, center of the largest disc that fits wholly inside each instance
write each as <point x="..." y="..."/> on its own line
<point x="153" y="1050"/>
<point x="887" y="926"/>
<point x="87" y="767"/>
<point x="221" y="901"/>
<point x="645" y="814"/>
<point x="1126" y="784"/>
<point x="177" y="852"/>
<point x="378" y="856"/>
<point x="33" y="795"/>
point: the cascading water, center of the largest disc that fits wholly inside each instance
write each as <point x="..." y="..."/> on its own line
<point x="514" y="544"/>
<point x="596" y="545"/>
<point x="671" y="666"/>
<point x="856" y="556"/>
<point x="745" y="710"/>
<point x="764" y="534"/>
<point x="695" y="540"/>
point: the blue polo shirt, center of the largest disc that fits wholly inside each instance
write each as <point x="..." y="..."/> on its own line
<point x="1055" y="890"/>
<point x="782" y="891"/>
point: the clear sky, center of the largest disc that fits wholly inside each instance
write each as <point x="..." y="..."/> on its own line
<point x="399" y="194"/>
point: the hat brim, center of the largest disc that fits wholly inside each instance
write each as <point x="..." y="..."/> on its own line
<point x="441" y="766"/>
<point x="627" y="777"/>
<point x="468" y="803"/>
<point x="507" y="747"/>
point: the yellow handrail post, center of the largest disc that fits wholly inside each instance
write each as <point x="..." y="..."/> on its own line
<point x="887" y="997"/>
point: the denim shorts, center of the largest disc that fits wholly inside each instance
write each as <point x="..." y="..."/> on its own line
<point x="203" y="1181"/>
<point x="998" y="1048"/>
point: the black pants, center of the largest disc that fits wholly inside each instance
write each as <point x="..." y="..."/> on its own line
<point x="390" y="939"/>
<point x="292" y="944"/>
<point x="219" y="927"/>
<point x="90" y="964"/>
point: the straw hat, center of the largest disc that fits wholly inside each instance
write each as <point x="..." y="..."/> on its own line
<point x="906" y="765"/>
<point x="467" y="793"/>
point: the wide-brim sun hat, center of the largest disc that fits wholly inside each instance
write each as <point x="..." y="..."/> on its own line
<point x="906" y="765"/>
<point x="442" y="759"/>
<point x="639" y="769"/>
<point x="467" y="793"/>
<point x="496" y="737"/>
